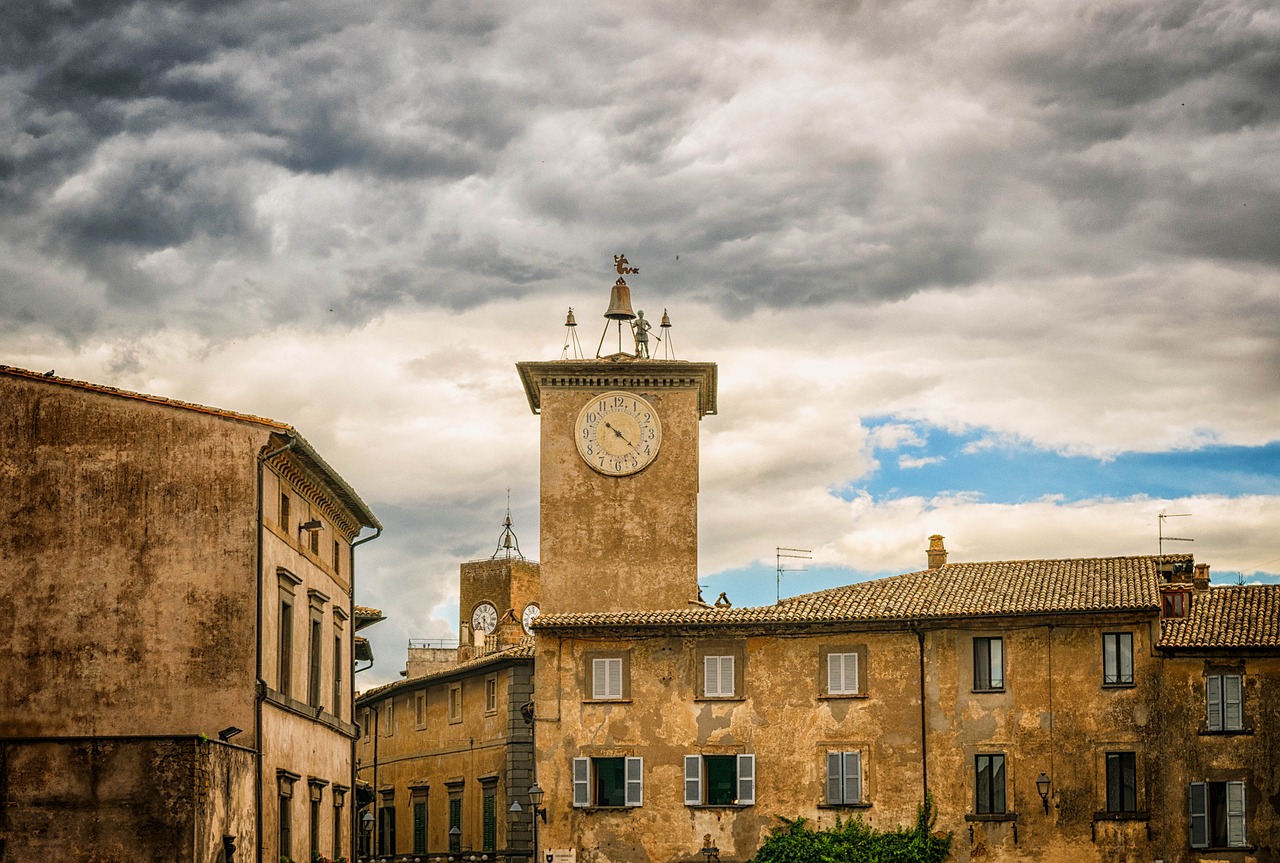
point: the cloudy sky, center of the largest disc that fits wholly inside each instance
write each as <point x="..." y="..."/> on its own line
<point x="1005" y="271"/>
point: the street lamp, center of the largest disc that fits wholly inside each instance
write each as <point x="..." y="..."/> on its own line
<point x="535" y="800"/>
<point x="366" y="825"/>
<point x="1042" y="785"/>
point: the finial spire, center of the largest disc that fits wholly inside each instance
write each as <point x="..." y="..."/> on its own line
<point x="571" y="343"/>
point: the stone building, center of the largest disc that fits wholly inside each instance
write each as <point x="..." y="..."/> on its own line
<point x="447" y="750"/>
<point x="179" y="666"/>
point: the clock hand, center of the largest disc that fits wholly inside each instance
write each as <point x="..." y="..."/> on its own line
<point x="620" y="435"/>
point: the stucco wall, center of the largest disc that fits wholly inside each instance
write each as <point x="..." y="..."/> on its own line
<point x="168" y="800"/>
<point x="128" y="538"/>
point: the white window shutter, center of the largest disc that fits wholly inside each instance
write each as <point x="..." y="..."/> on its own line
<point x="1213" y="700"/>
<point x="581" y="782"/>
<point x="746" y="780"/>
<point x="1199" y="815"/>
<point x="1232" y="714"/>
<point x="835" y="782"/>
<point x="693" y="780"/>
<point x="615" y="678"/>
<point x="599" y="678"/>
<point x="852" y="777"/>
<point x="835" y="673"/>
<point x="635" y="782"/>
<point x="1235" y="813"/>
<point x="850" y="673"/>
<point x="997" y="663"/>
<point x="710" y="676"/>
<point x="726" y="676"/>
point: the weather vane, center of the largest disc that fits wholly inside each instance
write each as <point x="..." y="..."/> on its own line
<point x="624" y="266"/>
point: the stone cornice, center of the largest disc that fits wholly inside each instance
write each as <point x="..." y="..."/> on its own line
<point x="619" y="372"/>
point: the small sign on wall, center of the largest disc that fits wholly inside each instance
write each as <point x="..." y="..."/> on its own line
<point x="562" y="855"/>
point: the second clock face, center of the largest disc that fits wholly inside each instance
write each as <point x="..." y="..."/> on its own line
<point x="618" y="433"/>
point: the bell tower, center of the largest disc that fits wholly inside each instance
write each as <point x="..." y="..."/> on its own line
<point x="619" y="471"/>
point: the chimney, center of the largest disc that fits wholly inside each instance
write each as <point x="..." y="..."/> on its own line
<point x="937" y="552"/>
<point x="1201" y="579"/>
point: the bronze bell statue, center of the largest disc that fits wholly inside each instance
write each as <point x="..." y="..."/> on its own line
<point x="620" y="303"/>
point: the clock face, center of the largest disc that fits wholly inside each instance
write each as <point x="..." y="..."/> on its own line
<point x="484" y="618"/>
<point x="618" y="433"/>
<point x="530" y="612"/>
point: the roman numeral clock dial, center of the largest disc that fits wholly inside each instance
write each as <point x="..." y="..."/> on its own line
<point x="618" y="433"/>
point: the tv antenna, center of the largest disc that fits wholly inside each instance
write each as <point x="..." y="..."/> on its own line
<point x="1162" y="538"/>
<point x="790" y="554"/>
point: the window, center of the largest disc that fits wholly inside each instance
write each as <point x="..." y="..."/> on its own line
<point x="337" y="674"/>
<point x="284" y="797"/>
<point x="419" y="825"/>
<point x="313" y="680"/>
<point x="455" y="821"/>
<point x="990" y="784"/>
<point x="420" y="710"/>
<point x="842" y="674"/>
<point x="367" y="723"/>
<point x="284" y="512"/>
<point x="491" y="694"/>
<point x="719" y="780"/>
<point x="1224" y="697"/>
<point x="337" y="558"/>
<point x="1217" y="815"/>
<point x="717" y="676"/>
<point x="285" y="658"/>
<point x="608" y="782"/>
<point x="387" y="826"/>
<point x="606" y="678"/>
<point x="1122" y="782"/>
<point x="387" y="717"/>
<point x="317" y="797"/>
<point x="988" y="664"/>
<point x="1117" y="658"/>
<point x="1175" y="603"/>
<point x="455" y="702"/>
<point x="844" y="778"/>
<point x="490" y="817"/>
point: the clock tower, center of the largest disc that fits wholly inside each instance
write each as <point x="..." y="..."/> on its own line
<point x="619" y="476"/>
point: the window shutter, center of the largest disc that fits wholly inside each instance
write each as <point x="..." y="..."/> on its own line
<point x="615" y="678"/>
<point x="635" y="782"/>
<point x="1235" y="813"/>
<point x="1232" y="715"/>
<point x="852" y="777"/>
<point x="850" y="673"/>
<point x="1213" y="699"/>
<point x="692" y="780"/>
<point x="710" y="676"/>
<point x="599" y="678"/>
<point x="1110" y="662"/>
<point x="746" y="779"/>
<point x="834" y="674"/>
<point x="581" y="782"/>
<point x="997" y="663"/>
<point x="726" y="676"/>
<point x="1126" y="658"/>
<point x="835" y="782"/>
<point x="1199" y="815"/>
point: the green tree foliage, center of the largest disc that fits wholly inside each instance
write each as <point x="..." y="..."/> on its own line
<point x="853" y="841"/>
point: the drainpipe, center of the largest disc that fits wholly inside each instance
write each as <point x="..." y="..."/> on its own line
<point x="354" y="817"/>
<point x="260" y="688"/>
<point x="924" y="736"/>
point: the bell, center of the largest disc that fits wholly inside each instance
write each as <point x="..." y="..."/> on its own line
<point x="620" y="303"/>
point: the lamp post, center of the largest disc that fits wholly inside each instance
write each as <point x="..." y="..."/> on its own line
<point x="366" y="826"/>
<point x="1042" y="785"/>
<point x="535" y="800"/>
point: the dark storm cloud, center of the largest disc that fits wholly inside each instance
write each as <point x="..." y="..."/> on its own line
<point x="449" y="153"/>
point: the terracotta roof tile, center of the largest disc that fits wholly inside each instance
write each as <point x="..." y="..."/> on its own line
<point x="1008" y="587"/>
<point x="1245" y="615"/>
<point x="523" y="650"/>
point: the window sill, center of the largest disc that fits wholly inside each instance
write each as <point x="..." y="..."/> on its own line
<point x="732" y="698"/>
<point x="1226" y="848"/>
<point x="844" y="805"/>
<point x="1122" y="816"/>
<point x="719" y="805"/>
<point x="605" y="808"/>
<point x="1129" y="685"/>
<point x="842" y="696"/>
<point x="1226" y="732"/>
<point x="606" y="701"/>
<point x="987" y="691"/>
<point x="993" y="816"/>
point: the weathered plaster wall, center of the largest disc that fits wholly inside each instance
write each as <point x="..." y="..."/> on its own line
<point x="1184" y="751"/>
<point x="127" y="537"/>
<point x="619" y="543"/>
<point x="168" y="800"/>
<point x="444" y="757"/>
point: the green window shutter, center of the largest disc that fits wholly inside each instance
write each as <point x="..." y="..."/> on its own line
<point x="692" y="780"/>
<point x="635" y="782"/>
<point x="1235" y="814"/>
<point x="1199" y="794"/>
<point x="490" y="822"/>
<point x="581" y="782"/>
